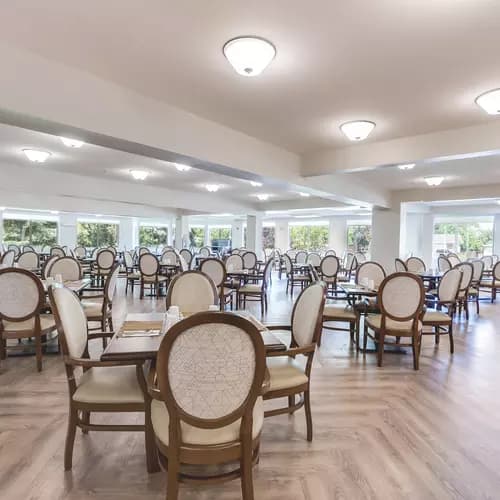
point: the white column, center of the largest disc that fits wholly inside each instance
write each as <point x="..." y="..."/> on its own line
<point x="427" y="235"/>
<point x="67" y="230"/>
<point x="337" y="238"/>
<point x="254" y="234"/>
<point x="181" y="232"/>
<point x="386" y="237"/>
<point x="496" y="234"/>
<point x="207" y="236"/>
<point x="170" y="234"/>
<point x="1" y="226"/>
<point x="128" y="235"/>
<point x="237" y="234"/>
<point x="282" y="236"/>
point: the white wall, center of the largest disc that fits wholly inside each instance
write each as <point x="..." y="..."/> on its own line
<point x="385" y="236"/>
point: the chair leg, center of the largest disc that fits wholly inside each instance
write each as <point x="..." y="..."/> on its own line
<point x="85" y="420"/>
<point x="291" y="401"/>
<point x="365" y="338"/>
<point x="416" y="351"/>
<point x="70" y="439"/>
<point x="38" y="350"/>
<point x="173" y="478"/>
<point x="307" y="407"/>
<point x="477" y="302"/>
<point x="380" y="349"/>
<point x="436" y="336"/>
<point x="452" y="343"/>
<point x="246" y="469"/>
<point x="466" y="308"/>
<point x="152" y="462"/>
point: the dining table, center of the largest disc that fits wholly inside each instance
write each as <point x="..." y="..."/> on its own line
<point x="74" y="285"/>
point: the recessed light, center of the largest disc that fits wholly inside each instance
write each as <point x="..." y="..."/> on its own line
<point x="182" y="168"/>
<point x="71" y="143"/>
<point x="249" y="55"/>
<point x="36" y="155"/>
<point x="256" y="184"/>
<point x="212" y="188"/>
<point x="139" y="175"/>
<point x="406" y="166"/>
<point x="304" y="195"/>
<point x="490" y="102"/>
<point x="357" y="130"/>
<point x="263" y="196"/>
<point x="435" y="180"/>
<point x="54" y="212"/>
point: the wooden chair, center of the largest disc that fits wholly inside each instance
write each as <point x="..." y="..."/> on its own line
<point x="22" y="299"/>
<point x="401" y="299"/>
<point x="215" y="269"/>
<point x="301" y="257"/>
<point x="104" y="262"/>
<point x="454" y="259"/>
<point x="80" y="252"/>
<point x="8" y="258"/>
<point x="288" y="378"/>
<point x="249" y="261"/>
<point x="492" y="284"/>
<point x="314" y="259"/>
<point x="47" y="266"/>
<point x="477" y="277"/>
<point x="149" y="267"/>
<point x="212" y="415"/>
<point x="187" y="255"/>
<point x="255" y="291"/>
<point x="294" y="278"/>
<point x="29" y="260"/>
<point x="57" y="251"/>
<point x="415" y="265"/>
<point x="400" y="265"/>
<point x="104" y="386"/>
<point x="440" y="321"/>
<point x="465" y="283"/>
<point x="192" y="292"/>
<point x="68" y="267"/>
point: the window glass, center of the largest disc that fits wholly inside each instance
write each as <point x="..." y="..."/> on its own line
<point x="359" y="237"/>
<point x="268" y="236"/>
<point x="97" y="234"/>
<point x="309" y="237"/>
<point x="220" y="238"/>
<point x="153" y="236"/>
<point x="30" y="232"/>
<point x="197" y="236"/>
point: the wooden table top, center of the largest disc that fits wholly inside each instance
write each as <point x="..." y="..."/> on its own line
<point x="143" y="348"/>
<point x="355" y="289"/>
<point x="75" y="286"/>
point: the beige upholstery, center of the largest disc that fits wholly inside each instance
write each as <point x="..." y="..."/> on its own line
<point x="28" y="260"/>
<point x="153" y="279"/>
<point x="47" y="323"/>
<point x="284" y="373"/>
<point x="19" y="294"/>
<point x="329" y="266"/>
<point x="313" y="259"/>
<point x="250" y="288"/>
<point x="196" y="435"/>
<point x="234" y="263"/>
<point x="339" y="311"/>
<point x="374" y="321"/>
<point x="215" y="269"/>
<point x="449" y="285"/>
<point x="169" y="258"/>
<point x="434" y="316"/>
<point x="370" y="271"/>
<point x="193" y="292"/>
<point x="111" y="385"/>
<point x="401" y="296"/>
<point x="92" y="308"/>
<point x="148" y="264"/>
<point x="306" y="313"/>
<point x="67" y="267"/>
<point x="415" y="265"/>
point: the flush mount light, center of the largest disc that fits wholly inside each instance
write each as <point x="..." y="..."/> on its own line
<point x="490" y="101"/>
<point x="98" y="215"/>
<point x="54" y="212"/>
<point x="434" y="180"/>
<point x="212" y="188"/>
<point x="36" y="156"/>
<point x="256" y="184"/>
<point x="249" y="55"/>
<point x="182" y="168"/>
<point x="406" y="166"/>
<point x="263" y="196"/>
<point x="357" y="130"/>
<point x="71" y="143"/>
<point x="304" y="195"/>
<point x="139" y="175"/>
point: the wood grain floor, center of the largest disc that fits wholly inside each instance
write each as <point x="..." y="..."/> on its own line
<point x="388" y="433"/>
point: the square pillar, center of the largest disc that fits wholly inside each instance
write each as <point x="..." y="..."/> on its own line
<point x="128" y="233"/>
<point x="181" y="232"/>
<point x="67" y="233"/>
<point x="337" y="237"/>
<point x="254" y="234"/>
<point x="1" y="226"/>
<point x="281" y="235"/>
<point x="427" y="235"/>
<point x="237" y="234"/>
<point x="386" y="236"/>
<point x="496" y="234"/>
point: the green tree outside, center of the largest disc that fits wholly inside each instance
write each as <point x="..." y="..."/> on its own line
<point x="311" y="238"/>
<point x="359" y="238"/>
<point x="30" y="232"/>
<point x="97" y="235"/>
<point x="268" y="237"/>
<point x="472" y="237"/>
<point x="153" y="236"/>
<point x="196" y="237"/>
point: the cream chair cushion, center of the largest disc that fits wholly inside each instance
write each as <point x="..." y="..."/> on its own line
<point x="134" y="276"/>
<point x="250" y="288"/>
<point x="153" y="279"/>
<point x="285" y="373"/>
<point x="196" y="435"/>
<point x="434" y="316"/>
<point x="340" y="311"/>
<point x="47" y="323"/>
<point x="92" y="308"/>
<point x="374" y="321"/>
<point x="109" y="384"/>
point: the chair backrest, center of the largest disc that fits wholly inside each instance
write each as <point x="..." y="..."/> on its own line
<point x="313" y="259"/>
<point x="234" y="263"/>
<point x="292" y="254"/>
<point x="301" y="257"/>
<point x="128" y="259"/>
<point x="370" y="271"/>
<point x="488" y="261"/>
<point x="215" y="269"/>
<point x="205" y="252"/>
<point x="249" y="260"/>
<point x="495" y="258"/>
<point x="288" y="263"/>
<point x="360" y="257"/>
<point x="21" y="294"/>
<point x="229" y="356"/>
<point x="330" y="252"/>
<point x="68" y="267"/>
<point x="307" y="314"/>
<point x="15" y="249"/>
<point x="400" y="265"/>
<point x="415" y="265"/>
<point x="183" y="265"/>
<point x="477" y="270"/>
<point x="192" y="291"/>
<point x="28" y="248"/>
<point x="267" y="273"/>
<point x="443" y="263"/>
<point x="149" y="264"/>
<point x="105" y="259"/>
<point x="111" y="282"/>
<point x="496" y="271"/>
<point x="449" y="286"/>
<point x="47" y="265"/>
<point x="143" y="250"/>
<point x="453" y="258"/>
<point x="329" y="266"/>
<point x="58" y="251"/>
<point x="8" y="258"/>
<point x="467" y="272"/>
<point x="29" y="260"/>
<point x="80" y="252"/>
<point x="71" y="321"/>
<point x="169" y="258"/>
<point x="112" y="249"/>
<point x="187" y="255"/>
<point x="401" y="297"/>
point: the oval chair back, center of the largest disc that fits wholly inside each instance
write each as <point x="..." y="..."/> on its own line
<point x="249" y="260"/>
<point x="234" y="263"/>
<point x="329" y="267"/>
<point x="215" y="269"/>
<point x="143" y="250"/>
<point x="187" y="255"/>
<point x="370" y="272"/>
<point x="288" y="264"/>
<point x="28" y="248"/>
<point x="205" y="252"/>
<point x="314" y="259"/>
<point x="105" y="260"/>
<point x="415" y="265"/>
<point x="8" y="258"/>
<point x="110" y="285"/>
<point x="449" y="286"/>
<point x="15" y="249"/>
<point x="192" y="292"/>
<point x="47" y="265"/>
<point x="29" y="260"/>
<point x="467" y="273"/>
<point x="292" y="254"/>
<point x="128" y="260"/>
<point x="443" y="263"/>
<point x="301" y="257"/>
<point x="80" y="252"/>
<point x="400" y="265"/>
<point x="149" y="265"/>
<point x="68" y="267"/>
<point x="454" y="260"/>
<point x="488" y="261"/>
<point x="477" y="271"/>
<point x="169" y="258"/>
<point x="57" y="251"/>
<point x="331" y="252"/>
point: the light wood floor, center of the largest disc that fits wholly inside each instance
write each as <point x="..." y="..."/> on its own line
<point x="387" y="433"/>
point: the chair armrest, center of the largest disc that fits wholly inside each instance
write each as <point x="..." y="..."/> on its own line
<point x="100" y="335"/>
<point x="266" y="383"/>
<point x="292" y="351"/>
<point x="90" y="363"/>
<point x="279" y="327"/>
<point x="100" y="296"/>
<point x="153" y="390"/>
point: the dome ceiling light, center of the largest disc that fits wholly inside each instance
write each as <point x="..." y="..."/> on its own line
<point x="249" y="55"/>
<point x="357" y="130"/>
<point x="490" y="102"/>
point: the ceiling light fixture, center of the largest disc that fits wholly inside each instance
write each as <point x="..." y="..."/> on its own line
<point x="406" y="166"/>
<point x="54" y="212"/>
<point x="490" y="101"/>
<point x="249" y="55"/>
<point x="181" y="167"/>
<point x="71" y="143"/>
<point x="263" y="196"/>
<point x="212" y="188"/>
<point x="98" y="215"/>
<point x="357" y="130"/>
<point x="304" y="195"/>
<point x="2" y="209"/>
<point x="256" y="184"/>
<point x="139" y="175"/>
<point x="433" y="181"/>
<point x="36" y="156"/>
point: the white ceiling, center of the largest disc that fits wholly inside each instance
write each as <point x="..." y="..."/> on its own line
<point x="413" y="67"/>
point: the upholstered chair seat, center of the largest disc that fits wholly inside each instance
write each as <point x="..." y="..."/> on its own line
<point x="249" y="288"/>
<point x="92" y="308"/>
<point x="338" y="311"/>
<point x="153" y="279"/>
<point x="47" y="324"/>
<point x="204" y="437"/>
<point x="435" y="316"/>
<point x="374" y="321"/>
<point x="284" y="373"/>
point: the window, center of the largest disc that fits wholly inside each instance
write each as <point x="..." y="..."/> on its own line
<point x="97" y="234"/>
<point x="312" y="237"/>
<point x="196" y="236"/>
<point x="471" y="238"/>
<point x="359" y="237"/>
<point x="153" y="236"/>
<point x="30" y="232"/>
<point x="268" y="236"/>
<point x="220" y="237"/>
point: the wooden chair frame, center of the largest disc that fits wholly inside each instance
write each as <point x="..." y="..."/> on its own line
<point x="225" y="294"/>
<point x="179" y="276"/>
<point x="153" y="284"/>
